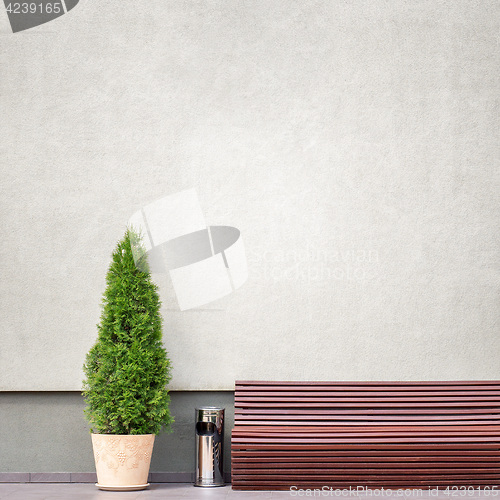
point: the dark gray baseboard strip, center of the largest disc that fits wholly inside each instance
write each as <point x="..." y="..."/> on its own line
<point x="170" y="477"/>
<point x="50" y="477"/>
<point x="91" y="477"/>
<point x="14" y="477"/>
<point x="83" y="477"/>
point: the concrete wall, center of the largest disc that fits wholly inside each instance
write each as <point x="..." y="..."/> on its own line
<point x="43" y="432"/>
<point x="354" y="144"/>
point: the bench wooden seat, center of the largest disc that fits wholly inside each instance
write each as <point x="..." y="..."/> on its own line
<point x="370" y="434"/>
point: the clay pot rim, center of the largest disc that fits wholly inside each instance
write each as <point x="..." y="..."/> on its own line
<point x="106" y="434"/>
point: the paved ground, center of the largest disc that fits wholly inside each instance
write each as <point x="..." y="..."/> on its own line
<point x="68" y="491"/>
<point x="77" y="491"/>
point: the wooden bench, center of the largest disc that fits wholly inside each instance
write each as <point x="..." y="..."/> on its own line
<point x="369" y="434"/>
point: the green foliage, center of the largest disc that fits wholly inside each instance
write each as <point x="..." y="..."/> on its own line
<point x="127" y="370"/>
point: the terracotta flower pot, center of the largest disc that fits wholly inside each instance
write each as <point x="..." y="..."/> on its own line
<point x="122" y="461"/>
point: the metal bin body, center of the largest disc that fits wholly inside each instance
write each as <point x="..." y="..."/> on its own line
<point x="209" y="446"/>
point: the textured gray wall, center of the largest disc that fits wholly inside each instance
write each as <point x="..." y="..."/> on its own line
<point x="47" y="432"/>
<point x="354" y="144"/>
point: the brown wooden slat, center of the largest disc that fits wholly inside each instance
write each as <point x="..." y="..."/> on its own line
<point x="371" y="484"/>
<point x="376" y="475"/>
<point x="365" y="394"/>
<point x="377" y="417"/>
<point x="359" y="424"/>
<point x="371" y="441"/>
<point x="380" y="404"/>
<point x="247" y="438"/>
<point x="427" y="401"/>
<point x="347" y="464"/>
<point x="292" y="447"/>
<point x="283" y="486"/>
<point x="367" y="429"/>
<point x="244" y="383"/>
<point x="334" y="473"/>
<point x="388" y="454"/>
<point x="362" y="461"/>
<point x="367" y="411"/>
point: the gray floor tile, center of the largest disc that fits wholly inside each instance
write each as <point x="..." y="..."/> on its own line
<point x="44" y="491"/>
<point x="6" y="489"/>
<point x="165" y="490"/>
<point x="175" y="491"/>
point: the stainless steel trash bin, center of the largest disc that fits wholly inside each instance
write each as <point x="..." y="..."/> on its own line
<point x="209" y="444"/>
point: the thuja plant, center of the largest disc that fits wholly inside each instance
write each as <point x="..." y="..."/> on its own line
<point x="127" y="370"/>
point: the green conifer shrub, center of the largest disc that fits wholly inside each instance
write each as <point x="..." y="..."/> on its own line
<point x="127" y="370"/>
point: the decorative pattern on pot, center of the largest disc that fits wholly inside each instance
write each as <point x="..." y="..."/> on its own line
<point x="122" y="460"/>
